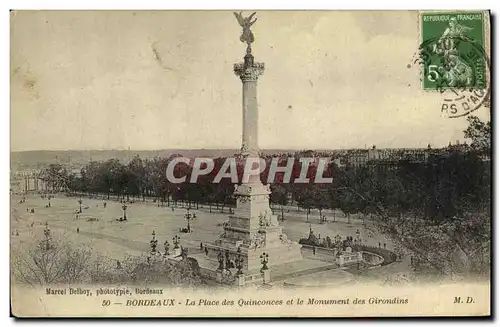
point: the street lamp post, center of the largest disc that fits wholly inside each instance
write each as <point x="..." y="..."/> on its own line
<point x="124" y="207"/>
<point x="80" y="203"/>
<point x="176" y="239"/>
<point x="239" y="262"/>
<point x="188" y="218"/>
<point x="153" y="243"/>
<point x="264" y="259"/>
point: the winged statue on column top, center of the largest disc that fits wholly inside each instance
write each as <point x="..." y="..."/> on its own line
<point x="246" y="22"/>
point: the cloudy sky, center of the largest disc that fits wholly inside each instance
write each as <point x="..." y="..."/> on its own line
<point x="157" y="80"/>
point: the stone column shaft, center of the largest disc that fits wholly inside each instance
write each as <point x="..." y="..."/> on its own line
<point x="249" y="72"/>
<point x="250" y="117"/>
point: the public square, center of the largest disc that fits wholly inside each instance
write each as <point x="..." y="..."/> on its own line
<point x="98" y="227"/>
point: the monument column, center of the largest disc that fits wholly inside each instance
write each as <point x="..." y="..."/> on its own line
<point x="249" y="72"/>
<point x="252" y="229"/>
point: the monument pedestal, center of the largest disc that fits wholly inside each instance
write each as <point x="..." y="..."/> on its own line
<point x="254" y="230"/>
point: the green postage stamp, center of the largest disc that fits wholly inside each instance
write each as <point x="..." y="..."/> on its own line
<point x="452" y="50"/>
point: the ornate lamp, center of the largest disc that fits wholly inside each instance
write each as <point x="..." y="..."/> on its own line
<point x="153" y="243"/>
<point x="80" y="203"/>
<point x="264" y="259"/>
<point x="188" y="218"/>
<point x="176" y="240"/>
<point x="239" y="262"/>
<point x="124" y="208"/>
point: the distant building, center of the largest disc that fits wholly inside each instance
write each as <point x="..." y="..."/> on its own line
<point x="384" y="157"/>
<point x="26" y="181"/>
<point x="458" y="146"/>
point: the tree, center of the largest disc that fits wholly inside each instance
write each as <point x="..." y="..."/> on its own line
<point x="40" y="265"/>
<point x="75" y="184"/>
<point x="321" y="200"/>
<point x="110" y="174"/>
<point x="91" y="177"/>
<point x="348" y="200"/>
<point x="138" y="179"/>
<point x="479" y="133"/>
<point x="279" y="195"/>
<point x="305" y="198"/>
<point x="437" y="212"/>
<point x="56" y="176"/>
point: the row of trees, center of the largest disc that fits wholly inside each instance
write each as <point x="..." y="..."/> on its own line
<point x="440" y="188"/>
<point x="142" y="178"/>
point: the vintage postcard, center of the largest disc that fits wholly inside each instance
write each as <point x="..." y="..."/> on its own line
<point x="250" y="164"/>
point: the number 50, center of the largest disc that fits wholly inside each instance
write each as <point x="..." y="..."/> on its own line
<point x="433" y="73"/>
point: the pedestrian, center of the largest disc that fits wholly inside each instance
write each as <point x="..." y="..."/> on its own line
<point x="314" y="250"/>
<point x="78" y="230"/>
<point x="379" y="245"/>
<point x="206" y="251"/>
<point x="104" y="205"/>
<point x="385" y="246"/>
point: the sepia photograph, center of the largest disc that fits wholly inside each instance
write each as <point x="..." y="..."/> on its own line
<point x="222" y="163"/>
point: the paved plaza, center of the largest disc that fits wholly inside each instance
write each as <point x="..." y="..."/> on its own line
<point x="98" y="228"/>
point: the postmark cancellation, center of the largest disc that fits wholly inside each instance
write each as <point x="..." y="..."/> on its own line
<point x="454" y="59"/>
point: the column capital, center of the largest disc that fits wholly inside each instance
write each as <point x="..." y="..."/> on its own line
<point x="249" y="72"/>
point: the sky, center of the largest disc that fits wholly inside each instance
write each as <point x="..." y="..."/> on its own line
<point x="149" y="80"/>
